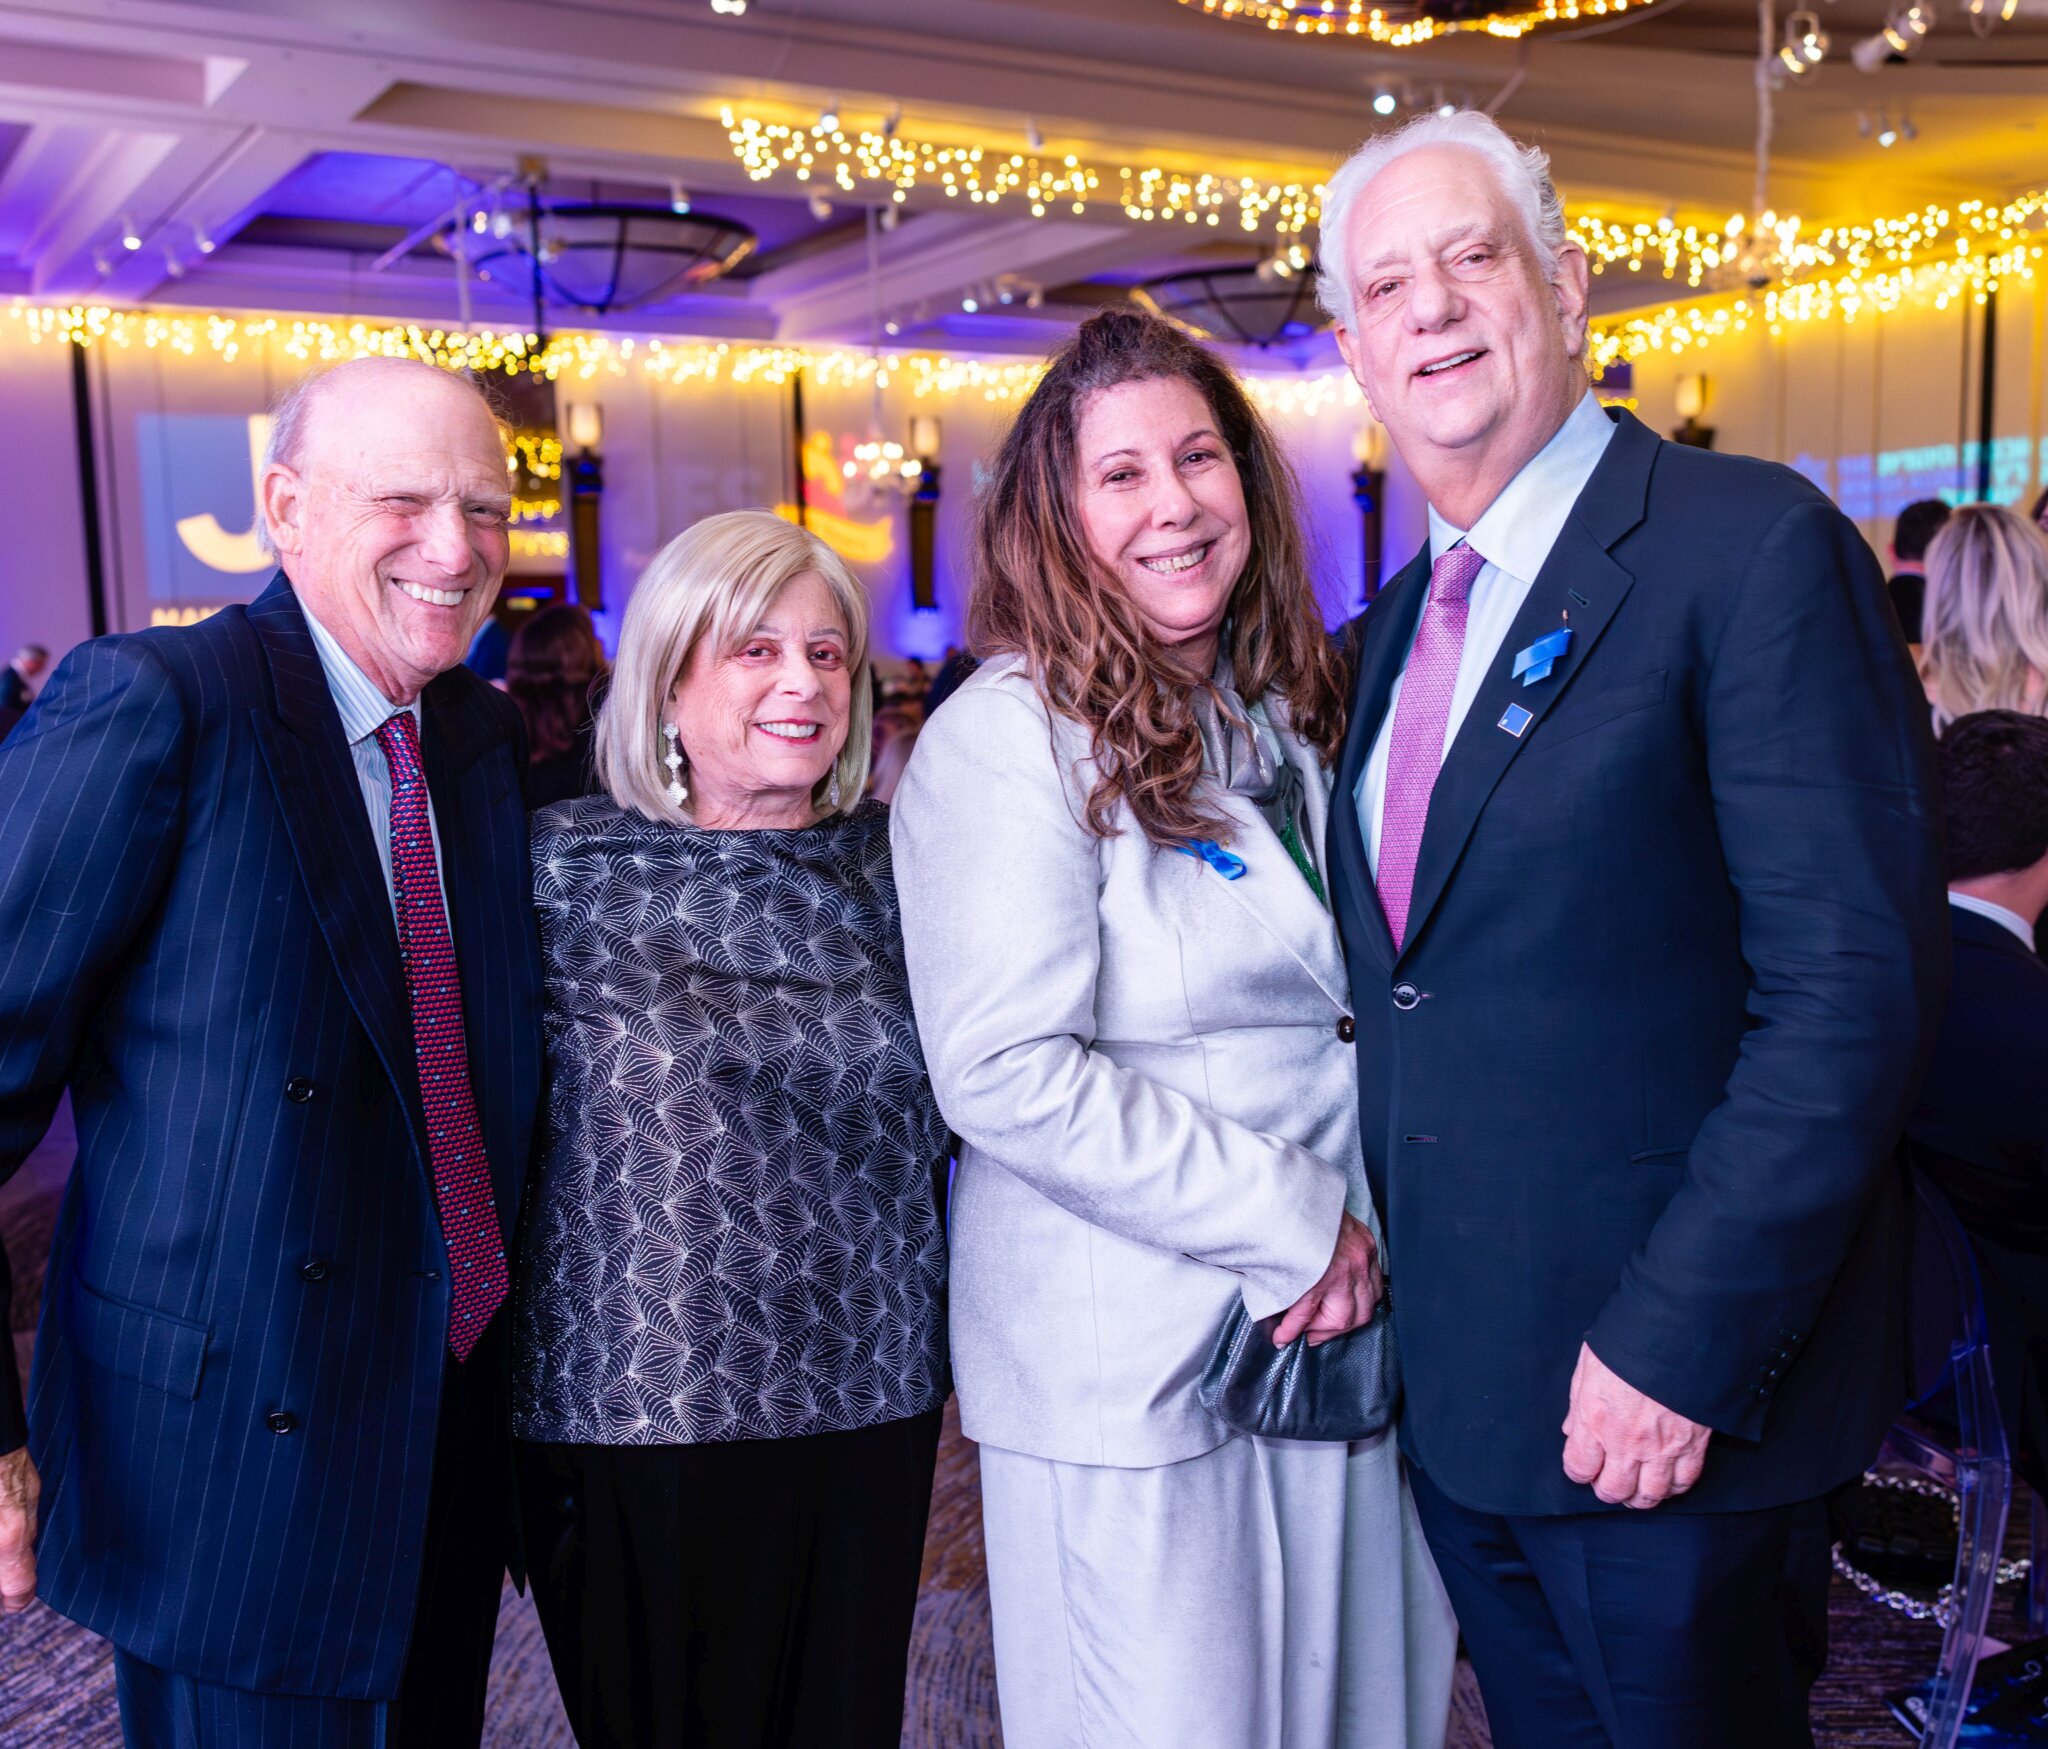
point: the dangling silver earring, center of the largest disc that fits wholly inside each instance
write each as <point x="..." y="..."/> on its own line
<point x="678" y="791"/>
<point x="832" y="789"/>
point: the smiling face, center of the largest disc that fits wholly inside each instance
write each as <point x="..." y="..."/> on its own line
<point x="761" y="725"/>
<point x="1467" y="351"/>
<point x="392" y="521"/>
<point x="1163" y="509"/>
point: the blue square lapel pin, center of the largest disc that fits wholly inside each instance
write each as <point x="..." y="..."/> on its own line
<point x="1530" y="666"/>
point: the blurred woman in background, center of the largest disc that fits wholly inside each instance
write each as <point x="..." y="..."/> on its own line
<point x="1985" y="623"/>
<point x="554" y="664"/>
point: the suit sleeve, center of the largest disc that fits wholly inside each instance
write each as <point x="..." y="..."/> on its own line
<point x="1820" y="766"/>
<point x="90" y="791"/>
<point x="999" y="888"/>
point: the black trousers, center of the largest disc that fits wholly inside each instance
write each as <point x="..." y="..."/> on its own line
<point x="755" y="1594"/>
<point x="1638" y="1630"/>
<point x="440" y="1702"/>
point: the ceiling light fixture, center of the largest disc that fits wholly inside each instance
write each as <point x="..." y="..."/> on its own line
<point x="1404" y="24"/>
<point x="1384" y="102"/>
<point x="205" y="242"/>
<point x="828" y="117"/>
<point x="729" y="8"/>
<point x="678" y="198"/>
<point x="1805" y="45"/>
<point x="821" y="207"/>
<point x="1887" y="135"/>
<point x="131" y="238"/>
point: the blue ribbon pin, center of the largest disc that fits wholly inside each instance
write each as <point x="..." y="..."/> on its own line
<point x="1535" y="663"/>
<point x="1231" y="868"/>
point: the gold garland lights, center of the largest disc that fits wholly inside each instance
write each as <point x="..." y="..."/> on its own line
<point x="1361" y="19"/>
<point x="1703" y="255"/>
<point x="882" y="160"/>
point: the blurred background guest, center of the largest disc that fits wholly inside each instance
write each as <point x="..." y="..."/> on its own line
<point x="2039" y="514"/>
<point x="553" y="664"/>
<point x="957" y="666"/>
<point x="1985" y="623"/>
<point x="729" y="1363"/>
<point x="1917" y="524"/>
<point x="17" y="684"/>
<point x="1149" y="1057"/>
<point x="896" y="727"/>
<point x="1980" y="1125"/>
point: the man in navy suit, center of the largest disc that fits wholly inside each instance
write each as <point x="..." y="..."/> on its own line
<point x="1980" y="1125"/>
<point x="1636" y="859"/>
<point x="267" y="915"/>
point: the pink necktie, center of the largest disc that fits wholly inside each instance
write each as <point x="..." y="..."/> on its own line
<point x="1416" y="752"/>
<point x="455" y="1145"/>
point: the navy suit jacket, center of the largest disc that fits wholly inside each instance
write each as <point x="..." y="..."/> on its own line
<point x="1675" y="953"/>
<point x="1980" y="1131"/>
<point x="245" y="1321"/>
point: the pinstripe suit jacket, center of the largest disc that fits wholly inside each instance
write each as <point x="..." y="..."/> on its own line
<point x="195" y="936"/>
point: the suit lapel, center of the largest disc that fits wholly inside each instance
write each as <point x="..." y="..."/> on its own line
<point x="1580" y="577"/>
<point x="1389" y="629"/>
<point x="321" y="801"/>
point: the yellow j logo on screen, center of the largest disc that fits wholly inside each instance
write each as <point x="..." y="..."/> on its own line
<point x="212" y="545"/>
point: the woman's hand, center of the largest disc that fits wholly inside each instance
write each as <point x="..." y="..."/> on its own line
<point x="1345" y="1296"/>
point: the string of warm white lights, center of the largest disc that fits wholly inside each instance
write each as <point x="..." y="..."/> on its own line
<point x="1738" y="255"/>
<point x="879" y="161"/>
<point x="1397" y="26"/>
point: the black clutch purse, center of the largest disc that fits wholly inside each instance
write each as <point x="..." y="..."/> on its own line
<point x="1349" y="1388"/>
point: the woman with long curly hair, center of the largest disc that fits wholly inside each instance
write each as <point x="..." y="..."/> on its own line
<point x="1135" y="1015"/>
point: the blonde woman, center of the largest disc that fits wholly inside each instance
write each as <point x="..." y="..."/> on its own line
<point x="728" y="1361"/>
<point x="1986" y="619"/>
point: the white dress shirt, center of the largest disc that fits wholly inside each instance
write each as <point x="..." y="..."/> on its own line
<point x="1998" y="914"/>
<point x="364" y="710"/>
<point x="1514" y="536"/>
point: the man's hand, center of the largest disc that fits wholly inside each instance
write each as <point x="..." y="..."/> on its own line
<point x="1345" y="1296"/>
<point x="1632" y="1449"/>
<point x="20" y="1491"/>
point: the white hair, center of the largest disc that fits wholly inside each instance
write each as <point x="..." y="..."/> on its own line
<point x="291" y="411"/>
<point x="1523" y="173"/>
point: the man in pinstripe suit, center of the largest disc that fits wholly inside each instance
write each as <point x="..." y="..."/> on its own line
<point x="262" y="881"/>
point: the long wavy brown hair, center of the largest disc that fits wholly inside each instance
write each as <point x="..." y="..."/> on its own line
<point x="1039" y="593"/>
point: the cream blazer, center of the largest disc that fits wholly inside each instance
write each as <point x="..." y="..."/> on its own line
<point x="1149" y="1066"/>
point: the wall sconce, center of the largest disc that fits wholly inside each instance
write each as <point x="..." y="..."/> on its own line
<point x="1368" y="479"/>
<point x="585" y="473"/>
<point x="924" y="512"/>
<point x="1689" y="397"/>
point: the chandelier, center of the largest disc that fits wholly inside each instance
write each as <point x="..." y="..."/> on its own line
<point x="603" y="256"/>
<point x="1403" y="24"/>
<point x="1272" y="304"/>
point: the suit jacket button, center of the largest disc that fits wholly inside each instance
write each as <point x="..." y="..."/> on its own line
<point x="1406" y="996"/>
<point x="1345" y="1030"/>
<point x="298" y="1090"/>
<point x="313" y="1269"/>
<point x="281" y="1421"/>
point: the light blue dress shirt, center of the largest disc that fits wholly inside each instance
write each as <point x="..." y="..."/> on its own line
<point x="2005" y="919"/>
<point x="364" y="710"/>
<point x="1514" y="536"/>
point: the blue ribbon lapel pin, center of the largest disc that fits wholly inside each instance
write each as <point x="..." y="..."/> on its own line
<point x="1207" y="850"/>
<point x="1536" y="662"/>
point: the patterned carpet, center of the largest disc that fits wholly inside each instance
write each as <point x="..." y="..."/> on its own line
<point x="56" y="1681"/>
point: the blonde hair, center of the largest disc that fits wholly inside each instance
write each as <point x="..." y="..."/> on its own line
<point x="715" y="581"/>
<point x="1984" y="622"/>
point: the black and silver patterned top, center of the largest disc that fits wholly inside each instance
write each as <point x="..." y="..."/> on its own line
<point x="733" y="1232"/>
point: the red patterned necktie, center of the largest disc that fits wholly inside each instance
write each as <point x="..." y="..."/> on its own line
<point x="1415" y="752"/>
<point x="455" y="1143"/>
